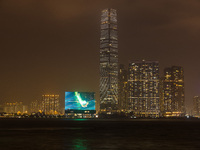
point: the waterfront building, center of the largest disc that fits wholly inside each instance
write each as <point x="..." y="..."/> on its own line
<point x="1" y="108"/>
<point x="122" y="88"/>
<point x="109" y="62"/>
<point x="50" y="104"/>
<point x="9" y="108"/>
<point x="196" y="106"/>
<point x="16" y="107"/>
<point x="143" y="83"/>
<point x="36" y="106"/>
<point x="174" y="92"/>
<point x="161" y="96"/>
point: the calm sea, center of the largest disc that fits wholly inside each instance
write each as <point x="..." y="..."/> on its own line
<point x="83" y="134"/>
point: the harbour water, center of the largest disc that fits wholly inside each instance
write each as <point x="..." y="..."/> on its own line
<point x="84" y="134"/>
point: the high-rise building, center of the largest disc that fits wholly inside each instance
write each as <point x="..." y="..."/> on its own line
<point x="161" y="96"/>
<point x="122" y="88"/>
<point x="50" y="104"/>
<point x="16" y="107"/>
<point x="9" y="108"/>
<point x="143" y="82"/>
<point x="196" y="106"/>
<point x="174" y="93"/>
<point x="36" y="106"/>
<point x="109" y="62"/>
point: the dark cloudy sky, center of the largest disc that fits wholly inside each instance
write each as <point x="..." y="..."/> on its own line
<point x="53" y="46"/>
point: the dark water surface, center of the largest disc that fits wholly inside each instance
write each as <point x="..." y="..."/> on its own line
<point x="64" y="134"/>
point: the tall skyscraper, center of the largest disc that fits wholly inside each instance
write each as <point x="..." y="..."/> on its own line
<point x="143" y="82"/>
<point x="174" y="93"/>
<point x="108" y="62"/>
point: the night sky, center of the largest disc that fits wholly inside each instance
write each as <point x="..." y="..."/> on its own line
<point x="48" y="47"/>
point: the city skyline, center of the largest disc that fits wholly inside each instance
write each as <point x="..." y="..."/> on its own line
<point x="57" y="49"/>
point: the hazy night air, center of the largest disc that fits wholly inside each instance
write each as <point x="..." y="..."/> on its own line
<point x="53" y="46"/>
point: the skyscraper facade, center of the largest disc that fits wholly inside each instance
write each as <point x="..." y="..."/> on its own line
<point x="36" y="106"/>
<point x="50" y="104"/>
<point x="123" y="88"/>
<point x="161" y="95"/>
<point x="174" y="93"/>
<point x="196" y="106"/>
<point x="109" y="62"/>
<point x="143" y="82"/>
<point x="16" y="107"/>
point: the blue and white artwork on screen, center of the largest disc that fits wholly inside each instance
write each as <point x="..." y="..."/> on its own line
<point x="79" y="101"/>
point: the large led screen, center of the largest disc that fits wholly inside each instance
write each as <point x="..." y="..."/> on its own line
<point x="79" y="101"/>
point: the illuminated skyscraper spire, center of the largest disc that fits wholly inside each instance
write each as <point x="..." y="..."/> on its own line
<point x="108" y="61"/>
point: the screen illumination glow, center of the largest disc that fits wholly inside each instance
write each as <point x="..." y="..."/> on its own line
<point x="79" y="101"/>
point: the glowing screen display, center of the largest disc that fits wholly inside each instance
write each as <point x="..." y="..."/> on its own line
<point x="79" y="101"/>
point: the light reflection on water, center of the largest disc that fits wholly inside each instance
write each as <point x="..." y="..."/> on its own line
<point x="79" y="144"/>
